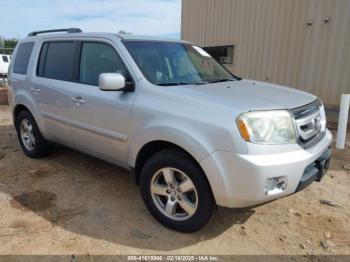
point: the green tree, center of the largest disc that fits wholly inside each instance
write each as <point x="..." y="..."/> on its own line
<point x="7" y="45"/>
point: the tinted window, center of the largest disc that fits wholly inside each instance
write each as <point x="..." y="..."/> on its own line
<point x="41" y="63"/>
<point x="97" y="58"/>
<point x="5" y="59"/>
<point x="22" y="58"/>
<point x="56" y="60"/>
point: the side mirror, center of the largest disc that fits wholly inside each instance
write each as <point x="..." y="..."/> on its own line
<point x="112" y="82"/>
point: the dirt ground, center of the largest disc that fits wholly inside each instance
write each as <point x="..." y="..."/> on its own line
<point x="72" y="203"/>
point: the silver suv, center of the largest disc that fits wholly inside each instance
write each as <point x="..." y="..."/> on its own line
<point x="194" y="135"/>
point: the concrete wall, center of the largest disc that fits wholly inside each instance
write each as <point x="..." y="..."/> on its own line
<point x="274" y="43"/>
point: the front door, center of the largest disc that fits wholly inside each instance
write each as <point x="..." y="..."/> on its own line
<point x="100" y="120"/>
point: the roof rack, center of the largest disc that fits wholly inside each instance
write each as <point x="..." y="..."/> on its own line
<point x="68" y="30"/>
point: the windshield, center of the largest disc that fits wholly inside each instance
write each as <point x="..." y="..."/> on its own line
<point x="168" y="63"/>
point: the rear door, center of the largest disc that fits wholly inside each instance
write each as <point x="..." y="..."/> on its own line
<point x="100" y="120"/>
<point x="53" y="76"/>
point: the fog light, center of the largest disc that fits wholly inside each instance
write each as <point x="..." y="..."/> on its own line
<point x="275" y="185"/>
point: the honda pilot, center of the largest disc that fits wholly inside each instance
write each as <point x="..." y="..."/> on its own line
<point x="193" y="134"/>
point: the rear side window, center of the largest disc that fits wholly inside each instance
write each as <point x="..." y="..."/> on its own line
<point x="22" y="58"/>
<point x="56" y="60"/>
<point x="5" y="59"/>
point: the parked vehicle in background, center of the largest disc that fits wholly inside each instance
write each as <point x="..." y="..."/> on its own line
<point x="193" y="134"/>
<point x="4" y="65"/>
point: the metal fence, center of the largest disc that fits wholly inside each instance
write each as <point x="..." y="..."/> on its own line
<point x="6" y="51"/>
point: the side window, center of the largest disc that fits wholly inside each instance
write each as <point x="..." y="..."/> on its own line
<point x="97" y="58"/>
<point x="56" y="60"/>
<point x="22" y="58"/>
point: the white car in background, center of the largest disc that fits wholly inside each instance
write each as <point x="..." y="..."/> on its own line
<point x="4" y="65"/>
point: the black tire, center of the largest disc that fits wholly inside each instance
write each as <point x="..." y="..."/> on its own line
<point x="179" y="160"/>
<point x="41" y="147"/>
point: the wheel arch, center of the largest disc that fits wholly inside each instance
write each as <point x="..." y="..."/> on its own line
<point x="153" y="147"/>
<point x="23" y="100"/>
<point x="148" y="150"/>
<point x="155" y="137"/>
<point x="17" y="109"/>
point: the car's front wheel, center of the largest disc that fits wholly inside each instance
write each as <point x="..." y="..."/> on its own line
<point x="176" y="191"/>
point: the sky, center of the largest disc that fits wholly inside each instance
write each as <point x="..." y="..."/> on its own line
<point x="145" y="17"/>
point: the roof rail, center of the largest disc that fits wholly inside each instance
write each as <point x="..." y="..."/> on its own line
<point x="68" y="30"/>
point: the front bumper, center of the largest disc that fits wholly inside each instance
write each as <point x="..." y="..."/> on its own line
<point x="315" y="171"/>
<point x="239" y="180"/>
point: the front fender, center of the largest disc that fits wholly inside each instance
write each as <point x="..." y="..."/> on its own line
<point x="189" y="139"/>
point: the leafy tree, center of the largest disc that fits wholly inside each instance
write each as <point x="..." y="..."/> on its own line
<point x="10" y="43"/>
<point x="7" y="45"/>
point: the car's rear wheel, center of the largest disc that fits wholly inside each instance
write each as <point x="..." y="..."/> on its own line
<point x="176" y="191"/>
<point x="31" y="140"/>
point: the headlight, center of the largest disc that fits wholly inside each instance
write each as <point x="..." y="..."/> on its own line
<point x="267" y="127"/>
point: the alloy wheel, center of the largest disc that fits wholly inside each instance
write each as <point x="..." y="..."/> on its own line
<point x="27" y="135"/>
<point x="174" y="194"/>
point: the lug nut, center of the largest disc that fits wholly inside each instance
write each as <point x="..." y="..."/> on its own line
<point x="168" y="191"/>
<point x="179" y="198"/>
<point x="172" y="198"/>
<point x="178" y="189"/>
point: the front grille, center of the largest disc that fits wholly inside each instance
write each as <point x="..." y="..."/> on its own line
<point x="308" y="124"/>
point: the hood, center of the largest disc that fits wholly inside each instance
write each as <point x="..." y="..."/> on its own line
<point x="254" y="95"/>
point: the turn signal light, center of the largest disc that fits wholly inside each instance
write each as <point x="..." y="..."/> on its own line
<point x="243" y="129"/>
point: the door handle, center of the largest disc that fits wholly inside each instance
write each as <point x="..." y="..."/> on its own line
<point x="78" y="100"/>
<point x="35" y="89"/>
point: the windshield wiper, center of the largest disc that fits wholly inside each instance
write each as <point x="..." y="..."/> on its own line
<point x="221" y="80"/>
<point x="181" y="83"/>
